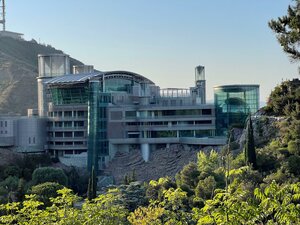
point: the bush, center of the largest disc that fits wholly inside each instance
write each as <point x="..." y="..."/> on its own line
<point x="45" y="191"/>
<point x="10" y="183"/>
<point x="49" y="174"/>
<point x="294" y="164"/>
<point x="12" y="171"/>
<point x="294" y="147"/>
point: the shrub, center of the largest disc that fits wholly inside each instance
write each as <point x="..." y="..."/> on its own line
<point x="45" y="191"/>
<point x="294" y="164"/>
<point x="294" y="147"/>
<point x="12" y="171"/>
<point x="49" y="174"/>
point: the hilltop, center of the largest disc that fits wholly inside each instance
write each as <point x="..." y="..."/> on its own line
<point x="18" y="72"/>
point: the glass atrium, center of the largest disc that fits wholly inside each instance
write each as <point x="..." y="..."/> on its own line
<point x="233" y="105"/>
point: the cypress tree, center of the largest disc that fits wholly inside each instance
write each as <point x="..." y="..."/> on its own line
<point x="92" y="185"/>
<point x="250" y="155"/>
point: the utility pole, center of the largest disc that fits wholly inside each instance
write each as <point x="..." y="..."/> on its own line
<point x="2" y="13"/>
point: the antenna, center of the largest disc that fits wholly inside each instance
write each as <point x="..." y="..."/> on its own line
<point x="2" y="13"/>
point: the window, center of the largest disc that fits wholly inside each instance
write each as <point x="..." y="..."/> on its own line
<point x="78" y="134"/>
<point x="130" y="114"/>
<point x="80" y="113"/>
<point x="68" y="114"/>
<point x="33" y="140"/>
<point x="78" y="123"/>
<point x="29" y="140"/>
<point x="68" y="124"/>
<point x="203" y="122"/>
<point x="68" y="134"/>
<point x="58" y="134"/>
<point x="5" y="123"/>
<point x="206" y="111"/>
<point x="58" y="124"/>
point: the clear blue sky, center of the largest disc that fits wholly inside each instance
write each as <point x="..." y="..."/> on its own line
<point x="164" y="39"/>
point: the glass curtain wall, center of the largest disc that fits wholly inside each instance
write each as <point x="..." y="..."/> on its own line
<point x="97" y="129"/>
<point x="233" y="105"/>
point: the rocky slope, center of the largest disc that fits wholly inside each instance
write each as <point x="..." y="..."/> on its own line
<point x="18" y="72"/>
<point x="163" y="162"/>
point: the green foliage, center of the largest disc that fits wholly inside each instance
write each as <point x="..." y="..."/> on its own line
<point x="92" y="185"/>
<point x="189" y="176"/>
<point x="49" y="174"/>
<point x="12" y="171"/>
<point x="294" y="147"/>
<point x="287" y="30"/>
<point x="128" y="178"/>
<point x="78" y="182"/>
<point x="284" y="100"/>
<point x="205" y="188"/>
<point x="294" y="164"/>
<point x="10" y="183"/>
<point x="155" y="189"/>
<point x="249" y="149"/>
<point x="208" y="163"/>
<point x="45" y="191"/>
<point x="132" y="196"/>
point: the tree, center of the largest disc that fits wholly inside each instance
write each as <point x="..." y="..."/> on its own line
<point x="49" y="174"/>
<point x="249" y="149"/>
<point x="92" y="185"/>
<point x="189" y="176"/>
<point x="287" y="29"/>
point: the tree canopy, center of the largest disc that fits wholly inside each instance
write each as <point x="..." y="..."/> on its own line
<point x="287" y="29"/>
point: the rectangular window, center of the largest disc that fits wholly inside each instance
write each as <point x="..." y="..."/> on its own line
<point x="5" y="123"/>
<point x="68" y="114"/>
<point x="58" y="134"/>
<point x="130" y="114"/>
<point x="206" y="111"/>
<point x="78" y="134"/>
<point x="68" y="134"/>
<point x="203" y="122"/>
<point x="80" y="113"/>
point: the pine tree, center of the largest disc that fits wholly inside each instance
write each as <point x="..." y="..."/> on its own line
<point x="250" y="155"/>
<point x="287" y="30"/>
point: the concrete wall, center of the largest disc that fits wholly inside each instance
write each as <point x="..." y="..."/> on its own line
<point x="31" y="134"/>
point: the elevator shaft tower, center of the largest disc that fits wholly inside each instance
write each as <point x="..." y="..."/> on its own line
<point x="2" y="14"/>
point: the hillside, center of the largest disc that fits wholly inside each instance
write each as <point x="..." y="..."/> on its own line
<point x="18" y="72"/>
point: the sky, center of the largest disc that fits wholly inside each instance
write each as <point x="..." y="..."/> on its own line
<point x="164" y="40"/>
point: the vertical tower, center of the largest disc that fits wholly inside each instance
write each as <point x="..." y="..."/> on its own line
<point x="2" y="13"/>
<point x="200" y="83"/>
<point x="50" y="66"/>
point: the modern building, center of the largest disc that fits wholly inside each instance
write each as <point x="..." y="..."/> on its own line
<point x="233" y="104"/>
<point x="92" y="115"/>
<point x="85" y="117"/>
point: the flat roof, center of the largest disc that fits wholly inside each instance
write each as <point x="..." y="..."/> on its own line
<point x="236" y="85"/>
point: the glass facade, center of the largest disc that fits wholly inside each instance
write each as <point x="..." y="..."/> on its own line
<point x="71" y="95"/>
<point x="97" y="128"/>
<point x="233" y="104"/>
<point x="117" y="84"/>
